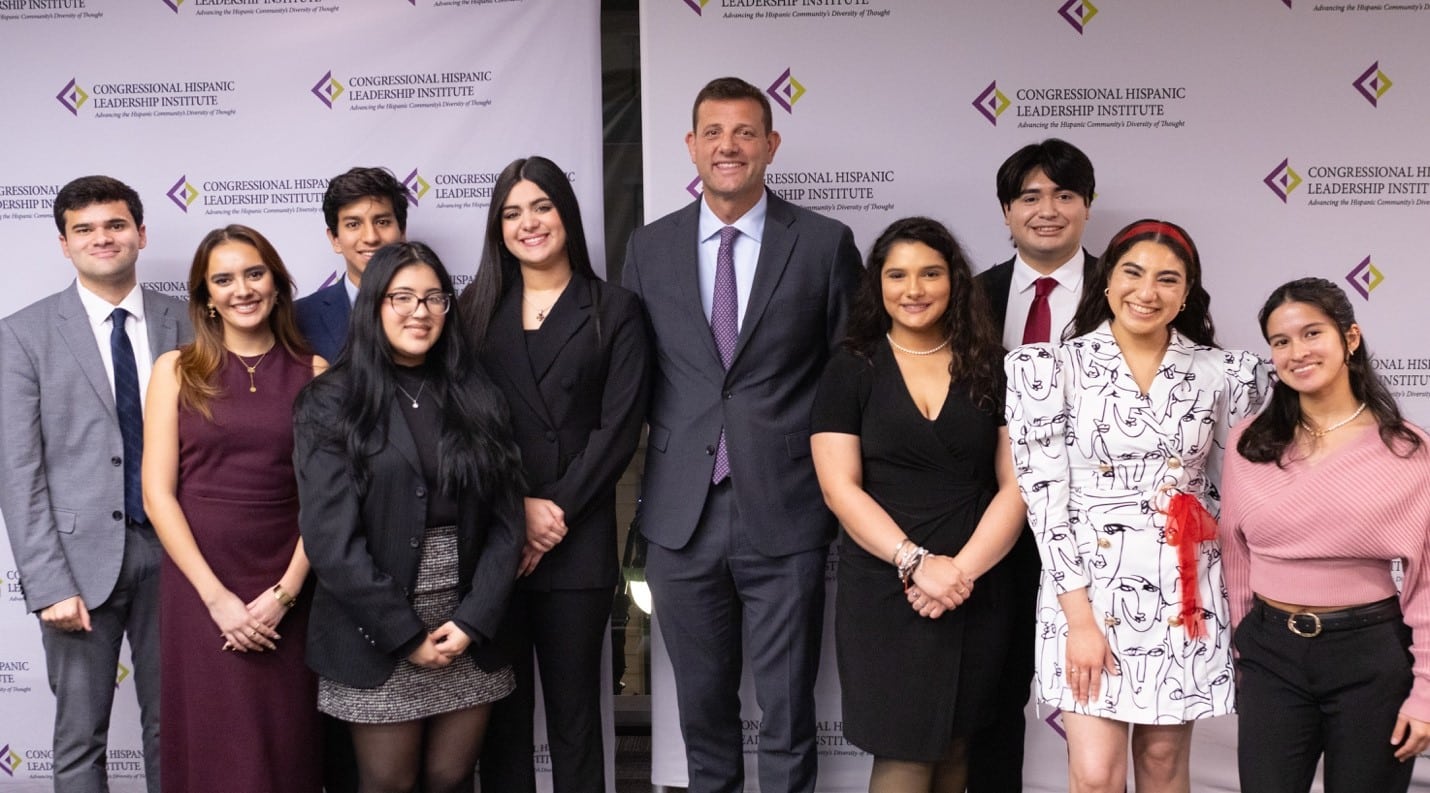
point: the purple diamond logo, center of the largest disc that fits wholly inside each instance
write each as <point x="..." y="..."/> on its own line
<point x="697" y="6"/>
<point x="1282" y="180"/>
<point x="785" y="90"/>
<point x="991" y="103"/>
<point x="1372" y="84"/>
<point x="417" y="187"/>
<point x="182" y="193"/>
<point x="1078" y="13"/>
<point x="1287" y="2"/>
<point x="1364" y="278"/>
<point x="174" y="4"/>
<point x="72" y="97"/>
<point x="10" y="760"/>
<point x="1055" y="720"/>
<point x="330" y="280"/>
<point x="328" y="89"/>
<point x="694" y="188"/>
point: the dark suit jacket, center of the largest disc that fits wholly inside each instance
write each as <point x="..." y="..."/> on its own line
<point x="577" y="403"/>
<point x="61" y="459"/>
<point x="323" y="318"/>
<point x="798" y="307"/>
<point x="998" y="279"/>
<point x="365" y="548"/>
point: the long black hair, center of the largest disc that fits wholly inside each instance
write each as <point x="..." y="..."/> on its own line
<point x="499" y="269"/>
<point x="1266" y="438"/>
<point x="476" y="448"/>
<point x="1194" y="320"/>
<point x="967" y="322"/>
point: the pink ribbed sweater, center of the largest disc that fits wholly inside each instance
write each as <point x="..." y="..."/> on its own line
<point x="1323" y="534"/>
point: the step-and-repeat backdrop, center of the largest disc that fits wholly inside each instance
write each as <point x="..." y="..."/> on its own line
<point x="239" y="111"/>
<point x="1286" y="135"/>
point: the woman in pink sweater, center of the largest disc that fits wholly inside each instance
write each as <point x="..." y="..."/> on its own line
<point x="1324" y="489"/>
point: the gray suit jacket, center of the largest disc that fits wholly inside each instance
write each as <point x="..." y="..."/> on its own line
<point x="61" y="457"/>
<point x="797" y="312"/>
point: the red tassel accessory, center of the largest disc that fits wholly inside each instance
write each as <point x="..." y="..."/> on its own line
<point x="1188" y="525"/>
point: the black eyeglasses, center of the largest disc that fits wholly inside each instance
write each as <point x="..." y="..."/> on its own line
<point x="405" y="303"/>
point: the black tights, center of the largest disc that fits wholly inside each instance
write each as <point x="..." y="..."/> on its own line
<point x="442" y="750"/>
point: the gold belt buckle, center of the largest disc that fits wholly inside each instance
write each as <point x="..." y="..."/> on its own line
<point x="1291" y="624"/>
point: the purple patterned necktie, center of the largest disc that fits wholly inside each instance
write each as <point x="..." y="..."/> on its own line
<point x="725" y="327"/>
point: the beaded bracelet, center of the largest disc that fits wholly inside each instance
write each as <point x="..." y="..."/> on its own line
<point x="909" y="561"/>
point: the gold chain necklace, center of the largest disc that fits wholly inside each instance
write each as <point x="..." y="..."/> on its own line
<point x="250" y="367"/>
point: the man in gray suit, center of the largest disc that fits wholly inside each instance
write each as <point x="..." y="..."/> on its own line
<point x="72" y="370"/>
<point x="746" y="295"/>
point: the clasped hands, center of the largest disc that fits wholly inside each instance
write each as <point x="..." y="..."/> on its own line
<point x="250" y="627"/>
<point x="545" y="528"/>
<point x="939" y="585"/>
<point x="441" y="647"/>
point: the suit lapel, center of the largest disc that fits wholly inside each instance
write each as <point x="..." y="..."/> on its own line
<point x="685" y="269"/>
<point x="775" y="248"/>
<point x="568" y="315"/>
<point x="507" y="345"/>
<point x="336" y="311"/>
<point x="74" y="327"/>
<point x="399" y="436"/>
<point x="163" y="327"/>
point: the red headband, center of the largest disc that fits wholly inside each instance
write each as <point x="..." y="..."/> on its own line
<point x="1158" y="227"/>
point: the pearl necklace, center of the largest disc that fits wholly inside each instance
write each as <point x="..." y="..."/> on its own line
<point x="1315" y="433"/>
<point x="901" y="348"/>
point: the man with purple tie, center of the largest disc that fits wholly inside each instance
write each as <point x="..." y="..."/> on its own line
<point x="746" y="295"/>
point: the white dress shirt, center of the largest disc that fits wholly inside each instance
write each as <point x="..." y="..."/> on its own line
<point x="98" y="310"/>
<point x="1062" y="301"/>
<point x="747" y="252"/>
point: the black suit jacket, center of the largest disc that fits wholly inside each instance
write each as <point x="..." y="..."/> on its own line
<point x="798" y="306"/>
<point x="323" y="318"/>
<point x="998" y="279"/>
<point x="365" y="548"/>
<point x="577" y="400"/>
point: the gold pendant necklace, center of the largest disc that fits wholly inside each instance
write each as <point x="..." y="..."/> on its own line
<point x="250" y="367"/>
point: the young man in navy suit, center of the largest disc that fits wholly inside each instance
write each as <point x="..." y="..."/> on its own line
<point x="746" y="295"/>
<point x="365" y="209"/>
<point x="1046" y="192"/>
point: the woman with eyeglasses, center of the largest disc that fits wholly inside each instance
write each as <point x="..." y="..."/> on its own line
<point x="411" y="493"/>
<point x="570" y="352"/>
<point x="220" y="491"/>
<point x="1322" y="491"/>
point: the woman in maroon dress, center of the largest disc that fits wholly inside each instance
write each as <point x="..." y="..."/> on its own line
<point x="238" y="704"/>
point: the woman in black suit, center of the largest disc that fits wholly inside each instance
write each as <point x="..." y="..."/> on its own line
<point x="410" y="492"/>
<point x="570" y="352"/>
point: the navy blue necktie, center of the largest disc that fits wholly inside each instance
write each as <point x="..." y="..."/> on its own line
<point x="130" y="413"/>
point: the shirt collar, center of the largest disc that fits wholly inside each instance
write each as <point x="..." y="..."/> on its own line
<point x="1068" y="275"/>
<point x="98" y="309"/>
<point x="751" y="224"/>
<point x="350" y="288"/>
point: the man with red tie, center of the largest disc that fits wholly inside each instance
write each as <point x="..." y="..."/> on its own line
<point x="1046" y="191"/>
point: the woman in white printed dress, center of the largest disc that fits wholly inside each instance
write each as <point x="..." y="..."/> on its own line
<point x="1118" y="434"/>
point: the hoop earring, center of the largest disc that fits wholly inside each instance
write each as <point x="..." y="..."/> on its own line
<point x="1105" y="291"/>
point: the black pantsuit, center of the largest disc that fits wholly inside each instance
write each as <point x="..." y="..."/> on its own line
<point x="577" y="391"/>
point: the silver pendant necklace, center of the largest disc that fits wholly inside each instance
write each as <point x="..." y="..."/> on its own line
<point x="411" y="396"/>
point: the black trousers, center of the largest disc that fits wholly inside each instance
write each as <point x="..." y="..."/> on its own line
<point x="995" y="754"/>
<point x="1337" y="694"/>
<point x="567" y="629"/>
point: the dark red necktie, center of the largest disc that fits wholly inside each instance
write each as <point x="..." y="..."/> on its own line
<point x="1040" y="318"/>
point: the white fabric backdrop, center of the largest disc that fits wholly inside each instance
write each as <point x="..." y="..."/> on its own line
<point x="220" y="111"/>
<point x="1285" y="135"/>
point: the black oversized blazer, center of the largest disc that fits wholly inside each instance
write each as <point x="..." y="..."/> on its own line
<point x="365" y="549"/>
<point x="577" y="393"/>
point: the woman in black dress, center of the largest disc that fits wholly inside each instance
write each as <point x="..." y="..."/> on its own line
<point x="570" y="352"/>
<point x="913" y="459"/>
<point x="411" y="514"/>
